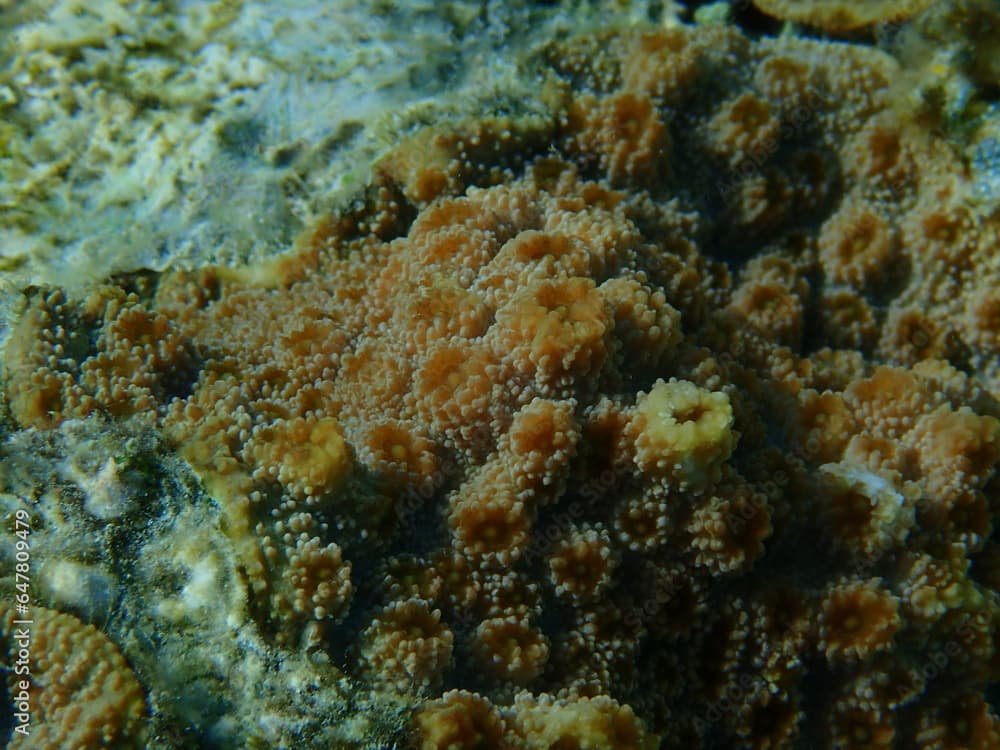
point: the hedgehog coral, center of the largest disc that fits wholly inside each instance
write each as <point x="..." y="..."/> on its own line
<point x="614" y="424"/>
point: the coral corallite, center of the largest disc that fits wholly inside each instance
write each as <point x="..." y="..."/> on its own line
<point x="682" y="432"/>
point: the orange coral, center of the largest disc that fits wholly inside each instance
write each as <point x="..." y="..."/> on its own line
<point x="963" y="721"/>
<point x="911" y="335"/>
<point x="853" y="728"/>
<point x="542" y="440"/>
<point x="983" y="319"/>
<point x="823" y="425"/>
<point x="773" y="722"/>
<point x="847" y="320"/>
<point x="454" y="385"/>
<point x="785" y="79"/>
<point x="881" y="157"/>
<point x="500" y="594"/>
<point x="406" y="647"/>
<point x="857" y="620"/>
<point x="883" y="456"/>
<point x="83" y="694"/>
<point x="744" y="129"/>
<point x="509" y="649"/>
<point x="458" y="719"/>
<point x="856" y="246"/>
<point x="488" y="522"/>
<point x="588" y="724"/>
<point x="863" y="513"/>
<point x="661" y="63"/>
<point x="772" y="309"/>
<point x="839" y="15"/>
<point x="955" y="449"/>
<point x="646" y="328"/>
<point x="138" y="358"/>
<point x="569" y="392"/>
<point x="929" y="588"/>
<point x="310" y="455"/>
<point x="624" y="133"/>
<point x="888" y="402"/>
<point x="728" y="531"/>
<point x="319" y="579"/>
<point x="641" y="522"/>
<point x="581" y="564"/>
<point x="555" y="331"/>
<point x="399" y="453"/>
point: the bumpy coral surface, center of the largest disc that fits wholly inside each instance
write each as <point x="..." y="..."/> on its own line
<point x="671" y="420"/>
<point x="82" y="693"/>
<point x="843" y="15"/>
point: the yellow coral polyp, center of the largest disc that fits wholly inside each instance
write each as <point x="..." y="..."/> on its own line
<point x="313" y="455"/>
<point x="683" y="432"/>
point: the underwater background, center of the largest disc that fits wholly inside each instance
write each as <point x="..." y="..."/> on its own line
<point x="500" y="374"/>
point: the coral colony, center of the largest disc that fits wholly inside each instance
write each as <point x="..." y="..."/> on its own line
<point x="667" y="420"/>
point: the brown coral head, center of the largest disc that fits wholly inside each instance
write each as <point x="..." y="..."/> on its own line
<point x="458" y="720"/>
<point x="407" y="648"/>
<point x="856" y="246"/>
<point x="400" y="454"/>
<point x="542" y="440"/>
<point x="581" y="564"/>
<point x="509" y="649"/>
<point x="493" y="530"/>
<point x="555" y="330"/>
<point x="858" y="619"/>
<point x="842" y="15"/>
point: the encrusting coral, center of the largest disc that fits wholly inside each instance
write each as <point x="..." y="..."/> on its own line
<point x="843" y="15"/>
<point x="82" y="693"/>
<point x="612" y="430"/>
